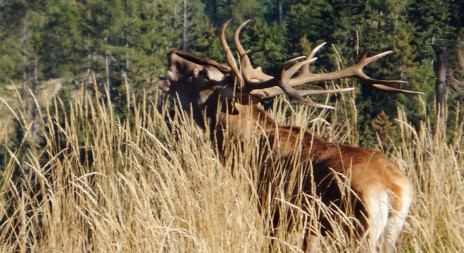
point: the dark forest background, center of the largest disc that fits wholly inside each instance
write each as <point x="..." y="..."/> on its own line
<point x="121" y="45"/>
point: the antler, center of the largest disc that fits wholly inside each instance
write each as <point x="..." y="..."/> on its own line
<point x="256" y="82"/>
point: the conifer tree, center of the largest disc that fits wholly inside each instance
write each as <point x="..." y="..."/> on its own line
<point x="383" y="128"/>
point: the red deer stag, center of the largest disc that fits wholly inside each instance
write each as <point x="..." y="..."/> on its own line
<point x="227" y="97"/>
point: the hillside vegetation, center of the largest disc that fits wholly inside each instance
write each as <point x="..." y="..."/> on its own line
<point x="108" y="42"/>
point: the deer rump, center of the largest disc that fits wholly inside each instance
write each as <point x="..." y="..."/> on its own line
<point x="299" y="189"/>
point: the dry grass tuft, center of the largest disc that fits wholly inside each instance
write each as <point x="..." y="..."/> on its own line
<point x="154" y="184"/>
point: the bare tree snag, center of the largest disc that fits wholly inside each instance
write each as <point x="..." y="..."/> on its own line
<point x="184" y="27"/>
<point x="454" y="84"/>
<point x="442" y="79"/>
<point x="461" y="53"/>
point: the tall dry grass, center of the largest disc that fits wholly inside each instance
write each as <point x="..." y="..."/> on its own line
<point x="154" y="183"/>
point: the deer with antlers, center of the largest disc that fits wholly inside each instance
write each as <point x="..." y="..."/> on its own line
<point x="224" y="99"/>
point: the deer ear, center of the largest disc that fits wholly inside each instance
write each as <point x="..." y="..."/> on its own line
<point x="212" y="73"/>
<point x="164" y="84"/>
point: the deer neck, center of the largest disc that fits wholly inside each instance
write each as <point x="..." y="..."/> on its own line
<point x="244" y="121"/>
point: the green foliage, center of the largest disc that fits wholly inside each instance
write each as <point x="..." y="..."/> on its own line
<point x="207" y="42"/>
<point x="239" y="10"/>
<point x="268" y="47"/>
<point x="112" y="40"/>
<point x="10" y="58"/>
<point x="384" y="129"/>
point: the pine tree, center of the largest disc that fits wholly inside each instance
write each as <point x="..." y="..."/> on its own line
<point x="11" y="63"/>
<point x="267" y="43"/>
<point x="383" y="128"/>
<point x="60" y="41"/>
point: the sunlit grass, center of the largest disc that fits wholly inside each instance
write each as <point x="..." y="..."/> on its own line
<point x="154" y="183"/>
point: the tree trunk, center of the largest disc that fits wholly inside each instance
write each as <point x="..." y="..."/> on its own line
<point x="442" y="79"/>
<point x="461" y="53"/>
<point x="30" y="82"/>
<point x="107" y="72"/>
<point x="214" y="17"/>
<point x="184" y="27"/>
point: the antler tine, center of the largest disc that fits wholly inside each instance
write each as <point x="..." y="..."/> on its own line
<point x="322" y="92"/>
<point x="229" y="56"/>
<point x="299" y="94"/>
<point x="237" y="43"/>
<point x="285" y="76"/>
<point x="377" y="83"/>
<point x="311" y="103"/>
<point x="374" y="58"/>
<point x="276" y="90"/>
<point x="251" y="75"/>
<point x="293" y="69"/>
<point x="305" y="69"/>
<point x="299" y="58"/>
<point x="296" y="94"/>
<point x="314" y="51"/>
<point x="395" y="90"/>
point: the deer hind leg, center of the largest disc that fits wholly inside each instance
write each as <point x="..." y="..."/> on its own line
<point x="400" y="204"/>
<point x="377" y="207"/>
<point x="312" y="244"/>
